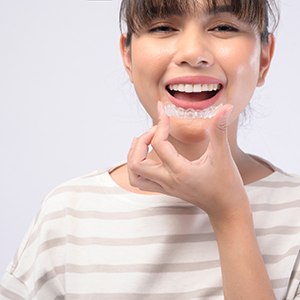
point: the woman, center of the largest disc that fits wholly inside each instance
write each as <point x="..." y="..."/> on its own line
<point x="195" y="217"/>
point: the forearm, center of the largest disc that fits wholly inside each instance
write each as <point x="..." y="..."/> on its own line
<point x="243" y="270"/>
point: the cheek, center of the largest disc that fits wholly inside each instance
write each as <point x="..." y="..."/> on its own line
<point x="149" y="64"/>
<point x="148" y="60"/>
<point x="244" y="63"/>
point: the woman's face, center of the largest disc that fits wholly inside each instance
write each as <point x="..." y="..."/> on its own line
<point x="176" y="55"/>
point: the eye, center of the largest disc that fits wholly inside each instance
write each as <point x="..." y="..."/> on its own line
<point x="162" y="28"/>
<point x="225" y="28"/>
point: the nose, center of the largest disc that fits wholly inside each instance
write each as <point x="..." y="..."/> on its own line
<point x="193" y="48"/>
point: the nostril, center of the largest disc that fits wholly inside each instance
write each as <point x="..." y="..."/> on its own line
<point x="196" y="62"/>
<point x="201" y="62"/>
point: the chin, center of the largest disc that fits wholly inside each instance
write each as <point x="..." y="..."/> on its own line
<point x="189" y="131"/>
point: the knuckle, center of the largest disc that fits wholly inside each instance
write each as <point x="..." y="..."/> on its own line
<point x="222" y="126"/>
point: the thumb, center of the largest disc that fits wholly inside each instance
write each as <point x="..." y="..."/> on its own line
<point x="218" y="129"/>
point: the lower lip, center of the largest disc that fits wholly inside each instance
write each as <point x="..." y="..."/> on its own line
<point x="196" y="105"/>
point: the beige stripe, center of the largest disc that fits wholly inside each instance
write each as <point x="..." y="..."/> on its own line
<point x="169" y="239"/>
<point x="207" y="292"/>
<point x="70" y="268"/>
<point x="296" y="275"/>
<point x="275" y="207"/>
<point x="47" y="218"/>
<point x="273" y="259"/>
<point x="162" y="239"/>
<point x="138" y="268"/>
<point x="203" y="293"/>
<point x="113" y="215"/>
<point x="70" y="239"/>
<point x="10" y="295"/>
<point x="142" y="214"/>
<point x="256" y="207"/>
<point x="275" y="184"/>
<point x="283" y="230"/>
<point x="157" y="268"/>
<point x="159" y="211"/>
<point x="280" y="283"/>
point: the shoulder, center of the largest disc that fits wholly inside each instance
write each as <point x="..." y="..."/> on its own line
<point x="278" y="193"/>
<point x="279" y="180"/>
<point x="88" y="187"/>
<point x="81" y="184"/>
<point x="52" y="218"/>
<point x="63" y="207"/>
<point x="276" y="199"/>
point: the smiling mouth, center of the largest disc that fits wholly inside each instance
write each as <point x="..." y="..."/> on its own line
<point x="193" y="92"/>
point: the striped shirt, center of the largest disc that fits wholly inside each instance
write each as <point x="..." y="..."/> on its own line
<point x="94" y="240"/>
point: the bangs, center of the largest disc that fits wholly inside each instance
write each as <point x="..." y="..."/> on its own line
<point x="139" y="13"/>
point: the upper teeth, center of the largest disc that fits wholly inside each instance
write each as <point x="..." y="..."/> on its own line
<point x="194" y="88"/>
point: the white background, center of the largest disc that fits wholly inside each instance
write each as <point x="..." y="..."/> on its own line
<point x="67" y="107"/>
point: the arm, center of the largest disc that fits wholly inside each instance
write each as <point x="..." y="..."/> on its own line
<point x="243" y="270"/>
<point x="214" y="184"/>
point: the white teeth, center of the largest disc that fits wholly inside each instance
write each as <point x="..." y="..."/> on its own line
<point x="197" y="88"/>
<point x="181" y="87"/>
<point x="172" y="111"/>
<point x="188" y="88"/>
<point x="194" y="88"/>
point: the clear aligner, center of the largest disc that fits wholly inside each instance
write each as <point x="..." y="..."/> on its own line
<point x="172" y="111"/>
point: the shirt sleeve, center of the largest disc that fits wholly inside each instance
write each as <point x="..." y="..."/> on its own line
<point x="12" y="289"/>
<point x="33" y="259"/>
<point x="296" y="278"/>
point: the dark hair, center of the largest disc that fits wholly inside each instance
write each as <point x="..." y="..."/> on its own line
<point x="136" y="14"/>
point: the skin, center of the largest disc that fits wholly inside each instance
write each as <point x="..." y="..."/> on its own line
<point x="201" y="158"/>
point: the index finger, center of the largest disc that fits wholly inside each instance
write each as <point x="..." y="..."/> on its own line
<point x="160" y="143"/>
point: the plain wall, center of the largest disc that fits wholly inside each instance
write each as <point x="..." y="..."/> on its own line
<point x="67" y="107"/>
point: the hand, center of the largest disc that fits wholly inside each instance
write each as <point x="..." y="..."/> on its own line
<point x="211" y="182"/>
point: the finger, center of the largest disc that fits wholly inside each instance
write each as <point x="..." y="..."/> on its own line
<point x="139" y="147"/>
<point x="218" y="129"/>
<point x="163" y="148"/>
<point x="138" y="153"/>
<point x="139" y="164"/>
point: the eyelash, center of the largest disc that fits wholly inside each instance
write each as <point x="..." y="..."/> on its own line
<point x="225" y="28"/>
<point x="162" y="28"/>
